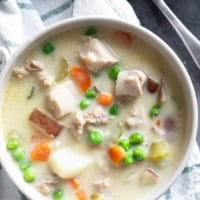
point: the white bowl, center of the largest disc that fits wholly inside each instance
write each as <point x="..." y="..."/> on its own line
<point x="151" y="39"/>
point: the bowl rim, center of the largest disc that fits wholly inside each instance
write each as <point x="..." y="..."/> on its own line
<point x="22" y="186"/>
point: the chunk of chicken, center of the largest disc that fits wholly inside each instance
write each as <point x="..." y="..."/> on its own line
<point x="79" y="122"/>
<point x="44" y="79"/>
<point x="102" y="184"/>
<point x="45" y="124"/>
<point x="97" y="116"/>
<point x="34" y="66"/>
<point x="20" y="72"/>
<point x="96" y="55"/>
<point x="129" y="84"/>
<point x="62" y="99"/>
<point x="67" y="163"/>
<point x="136" y="117"/>
<point x="84" y="121"/>
<point x="47" y="184"/>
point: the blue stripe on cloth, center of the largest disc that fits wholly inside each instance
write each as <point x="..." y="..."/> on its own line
<point x="57" y="10"/>
<point x="25" y="6"/>
<point x="191" y="168"/>
<point x="9" y="43"/>
<point x="168" y="195"/>
<point x="109" y="2"/>
<point x="72" y="13"/>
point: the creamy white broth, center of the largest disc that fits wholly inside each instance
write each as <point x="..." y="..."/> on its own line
<point x="16" y="111"/>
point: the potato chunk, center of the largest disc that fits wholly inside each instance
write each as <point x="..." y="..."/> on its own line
<point x="158" y="151"/>
<point x="66" y="163"/>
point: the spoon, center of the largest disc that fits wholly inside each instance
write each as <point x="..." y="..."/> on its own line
<point x="191" y="42"/>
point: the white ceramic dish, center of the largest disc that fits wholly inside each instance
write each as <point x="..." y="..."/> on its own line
<point x="175" y="66"/>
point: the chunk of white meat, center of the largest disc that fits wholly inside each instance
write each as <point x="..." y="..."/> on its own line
<point x="86" y="121"/>
<point x="46" y="185"/>
<point x="102" y="184"/>
<point x="78" y="122"/>
<point x="63" y="99"/>
<point x="34" y="66"/>
<point x="67" y="163"/>
<point x="96" y="55"/>
<point x="20" y="72"/>
<point x="44" y="79"/>
<point x="129" y="84"/>
<point x="136" y="117"/>
<point x="30" y="66"/>
<point x="97" y="116"/>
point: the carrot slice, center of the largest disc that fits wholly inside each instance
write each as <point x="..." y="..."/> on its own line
<point x="75" y="182"/>
<point x="123" y="37"/>
<point x="41" y="152"/>
<point x="81" y="195"/>
<point x="116" y="153"/>
<point x="81" y="77"/>
<point x="158" y="122"/>
<point x="105" y="99"/>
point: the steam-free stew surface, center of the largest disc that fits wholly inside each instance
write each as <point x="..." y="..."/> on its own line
<point x="119" y="120"/>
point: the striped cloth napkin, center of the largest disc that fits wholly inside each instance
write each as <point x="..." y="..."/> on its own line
<point x="22" y="19"/>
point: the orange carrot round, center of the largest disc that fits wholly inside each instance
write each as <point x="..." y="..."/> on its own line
<point x="81" y="195"/>
<point x="75" y="182"/>
<point x="105" y="99"/>
<point x="81" y="77"/>
<point x="41" y="152"/>
<point x="116" y="153"/>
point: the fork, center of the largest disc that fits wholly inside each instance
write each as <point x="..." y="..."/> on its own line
<point x="191" y="42"/>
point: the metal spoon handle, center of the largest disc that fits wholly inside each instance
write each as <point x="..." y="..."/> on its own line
<point x="191" y="42"/>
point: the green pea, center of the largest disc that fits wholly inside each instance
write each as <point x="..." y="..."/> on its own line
<point x="84" y="104"/>
<point x="18" y="154"/>
<point x="95" y="137"/>
<point x="114" y="109"/>
<point x="12" y="144"/>
<point x="128" y="158"/>
<point x="155" y="111"/>
<point x="24" y="165"/>
<point x="125" y="144"/>
<point x="48" y="48"/>
<point x="90" y="31"/>
<point x="136" y="138"/>
<point x="29" y="175"/>
<point x="58" y="194"/>
<point x="114" y="71"/>
<point x="139" y="154"/>
<point x="91" y="94"/>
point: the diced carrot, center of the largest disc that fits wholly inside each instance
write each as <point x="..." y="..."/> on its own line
<point x="75" y="182"/>
<point x="81" y="77"/>
<point x="158" y="122"/>
<point x="105" y="99"/>
<point x="116" y="153"/>
<point x="81" y="195"/>
<point x="41" y="152"/>
<point x="123" y="37"/>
